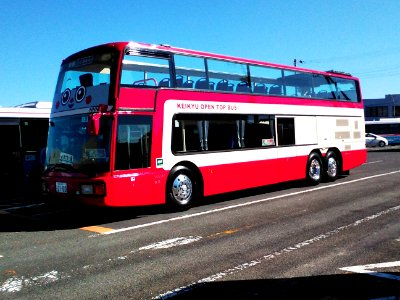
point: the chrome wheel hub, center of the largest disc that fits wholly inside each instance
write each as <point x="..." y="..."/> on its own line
<point x="182" y="189"/>
<point x="315" y="170"/>
<point x="332" y="167"/>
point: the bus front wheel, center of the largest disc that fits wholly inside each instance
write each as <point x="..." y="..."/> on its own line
<point x="314" y="169"/>
<point x="181" y="188"/>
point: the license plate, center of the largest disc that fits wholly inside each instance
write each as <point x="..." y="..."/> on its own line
<point x="61" y="187"/>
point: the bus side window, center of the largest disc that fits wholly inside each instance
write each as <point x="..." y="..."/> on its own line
<point x="227" y="75"/>
<point x="133" y="142"/>
<point x="189" y="70"/>
<point x="220" y="132"/>
<point x="285" y="127"/>
<point x="145" y="71"/>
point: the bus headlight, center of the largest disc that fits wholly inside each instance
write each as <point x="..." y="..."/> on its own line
<point x="96" y="189"/>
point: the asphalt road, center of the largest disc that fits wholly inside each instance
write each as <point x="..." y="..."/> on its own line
<point x="337" y="240"/>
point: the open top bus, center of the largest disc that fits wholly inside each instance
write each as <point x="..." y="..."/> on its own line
<point x="139" y="124"/>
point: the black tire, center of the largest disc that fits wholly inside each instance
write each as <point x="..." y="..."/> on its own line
<point x="332" y="166"/>
<point x="181" y="188"/>
<point x="314" y="169"/>
<point x="381" y="144"/>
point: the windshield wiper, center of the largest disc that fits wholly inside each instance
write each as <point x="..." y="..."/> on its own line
<point x="59" y="167"/>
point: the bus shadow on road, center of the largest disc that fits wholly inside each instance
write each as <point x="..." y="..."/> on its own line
<point x="340" y="286"/>
<point x="62" y="216"/>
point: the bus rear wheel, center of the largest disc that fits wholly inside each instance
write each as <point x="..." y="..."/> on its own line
<point x="314" y="169"/>
<point x="181" y="188"/>
<point x="331" y="166"/>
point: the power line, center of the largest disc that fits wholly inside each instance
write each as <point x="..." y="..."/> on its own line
<point x="358" y="56"/>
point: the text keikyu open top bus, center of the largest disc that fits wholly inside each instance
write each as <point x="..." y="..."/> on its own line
<point x="138" y="124"/>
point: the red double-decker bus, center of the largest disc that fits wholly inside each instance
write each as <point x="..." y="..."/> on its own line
<point x="139" y="124"/>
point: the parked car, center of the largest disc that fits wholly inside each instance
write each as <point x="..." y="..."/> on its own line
<point x="373" y="140"/>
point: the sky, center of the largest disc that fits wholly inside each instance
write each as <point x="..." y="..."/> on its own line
<point x="361" y="37"/>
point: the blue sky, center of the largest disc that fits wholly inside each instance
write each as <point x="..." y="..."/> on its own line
<point x="361" y="37"/>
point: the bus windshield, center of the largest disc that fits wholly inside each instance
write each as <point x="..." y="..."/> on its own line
<point x="95" y="70"/>
<point x="72" y="149"/>
<point x="84" y="82"/>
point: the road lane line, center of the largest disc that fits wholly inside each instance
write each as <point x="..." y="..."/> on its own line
<point x="270" y="256"/>
<point x="188" y="216"/>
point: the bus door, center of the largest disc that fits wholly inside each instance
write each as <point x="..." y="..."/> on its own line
<point x="132" y="156"/>
<point x="11" y="178"/>
<point x="33" y="141"/>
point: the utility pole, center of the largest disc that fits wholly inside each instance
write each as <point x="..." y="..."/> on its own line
<point x="394" y="106"/>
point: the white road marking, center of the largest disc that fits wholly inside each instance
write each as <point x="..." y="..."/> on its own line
<point x="15" y="284"/>
<point x="373" y="162"/>
<point x="368" y="269"/>
<point x="188" y="216"/>
<point x="172" y="243"/>
<point x="271" y="256"/>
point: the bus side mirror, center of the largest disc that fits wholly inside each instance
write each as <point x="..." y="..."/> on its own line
<point x="93" y="127"/>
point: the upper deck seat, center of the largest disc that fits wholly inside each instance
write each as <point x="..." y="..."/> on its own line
<point x="243" y="87"/>
<point x="179" y="80"/>
<point x="188" y="84"/>
<point x="275" y="90"/>
<point x="86" y="80"/>
<point x="222" y="85"/>
<point x="260" y="88"/>
<point x="165" y="82"/>
<point x="203" y="84"/>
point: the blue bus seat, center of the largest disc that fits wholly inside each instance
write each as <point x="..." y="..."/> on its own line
<point x="86" y="79"/>
<point x="275" y="90"/>
<point x="188" y="84"/>
<point x="164" y="82"/>
<point x="260" y="88"/>
<point x="222" y="85"/>
<point x="179" y="80"/>
<point x="243" y="87"/>
<point x="202" y="84"/>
